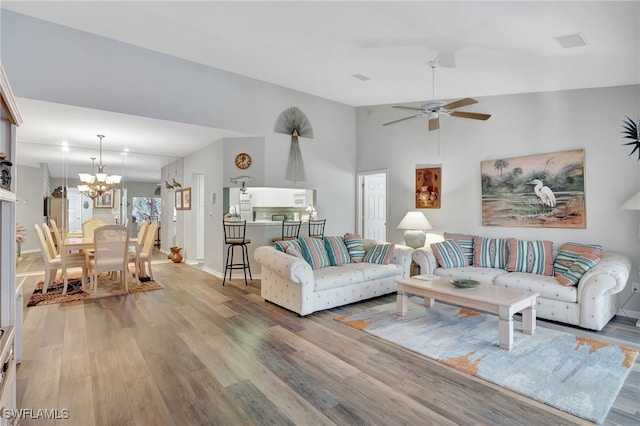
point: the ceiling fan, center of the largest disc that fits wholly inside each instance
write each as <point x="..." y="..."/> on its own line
<point x="434" y="109"/>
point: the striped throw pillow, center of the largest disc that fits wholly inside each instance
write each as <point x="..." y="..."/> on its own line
<point x="573" y="260"/>
<point x="337" y="251"/>
<point x="283" y="245"/>
<point x="466" y="244"/>
<point x="314" y="252"/>
<point x="535" y="257"/>
<point x="449" y="254"/>
<point x="490" y="252"/>
<point x="380" y="253"/>
<point x="355" y="246"/>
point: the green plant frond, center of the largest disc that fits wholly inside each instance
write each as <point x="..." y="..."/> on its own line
<point x="631" y="130"/>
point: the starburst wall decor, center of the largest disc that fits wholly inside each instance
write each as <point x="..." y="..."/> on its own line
<point x="632" y="131"/>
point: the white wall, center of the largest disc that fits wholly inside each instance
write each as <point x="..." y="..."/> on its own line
<point x="30" y="205"/>
<point x="520" y="125"/>
<point x="58" y="64"/>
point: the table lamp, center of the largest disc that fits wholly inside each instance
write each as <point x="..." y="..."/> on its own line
<point x="633" y="203"/>
<point x="414" y="223"/>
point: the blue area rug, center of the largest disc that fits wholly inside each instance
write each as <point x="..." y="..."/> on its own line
<point x="579" y="375"/>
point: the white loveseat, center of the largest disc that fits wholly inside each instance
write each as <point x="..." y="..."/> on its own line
<point x="590" y="304"/>
<point x="290" y="282"/>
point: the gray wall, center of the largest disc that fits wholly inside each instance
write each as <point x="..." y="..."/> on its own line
<point x="30" y="205"/>
<point x="58" y="64"/>
<point x="520" y="125"/>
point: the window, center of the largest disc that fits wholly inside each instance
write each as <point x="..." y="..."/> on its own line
<point x="146" y="209"/>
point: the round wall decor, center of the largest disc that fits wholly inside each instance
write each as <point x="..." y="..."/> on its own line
<point x="243" y="160"/>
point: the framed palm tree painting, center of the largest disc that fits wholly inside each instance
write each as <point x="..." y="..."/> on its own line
<point x="541" y="190"/>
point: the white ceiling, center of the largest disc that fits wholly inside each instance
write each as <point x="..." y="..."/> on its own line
<point x="500" y="47"/>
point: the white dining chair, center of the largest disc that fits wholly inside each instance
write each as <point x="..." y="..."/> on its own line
<point x="110" y="253"/>
<point x="50" y="239"/>
<point x="52" y="263"/>
<point x="56" y="233"/>
<point x="146" y="249"/>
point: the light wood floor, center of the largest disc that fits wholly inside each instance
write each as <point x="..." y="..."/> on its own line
<point x="197" y="353"/>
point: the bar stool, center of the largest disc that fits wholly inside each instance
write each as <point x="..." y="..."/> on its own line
<point x="290" y="230"/>
<point x="234" y="236"/>
<point x="316" y="228"/>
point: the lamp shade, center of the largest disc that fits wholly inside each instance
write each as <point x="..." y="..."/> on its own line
<point x="632" y="203"/>
<point x="415" y="221"/>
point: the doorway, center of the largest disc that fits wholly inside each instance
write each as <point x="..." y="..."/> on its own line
<point x="372" y="208"/>
<point x="80" y="209"/>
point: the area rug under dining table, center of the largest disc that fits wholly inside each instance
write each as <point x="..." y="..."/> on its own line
<point x="76" y="291"/>
<point x="579" y="375"/>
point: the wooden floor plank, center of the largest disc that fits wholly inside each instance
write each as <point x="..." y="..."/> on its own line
<point x="199" y="353"/>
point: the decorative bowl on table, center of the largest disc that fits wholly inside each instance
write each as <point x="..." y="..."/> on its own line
<point x="463" y="283"/>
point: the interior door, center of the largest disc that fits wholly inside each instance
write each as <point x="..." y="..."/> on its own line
<point x="374" y="207"/>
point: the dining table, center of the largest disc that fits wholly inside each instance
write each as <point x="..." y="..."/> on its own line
<point x="78" y="242"/>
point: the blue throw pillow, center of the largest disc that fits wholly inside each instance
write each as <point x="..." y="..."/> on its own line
<point x="337" y="251"/>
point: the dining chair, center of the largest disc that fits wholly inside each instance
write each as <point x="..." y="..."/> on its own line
<point x="290" y="230"/>
<point x="110" y="253"/>
<point x="316" y="228"/>
<point x="89" y="225"/>
<point x="49" y="238"/>
<point x="235" y="236"/>
<point x="52" y="263"/>
<point x="144" y="250"/>
<point x="56" y="233"/>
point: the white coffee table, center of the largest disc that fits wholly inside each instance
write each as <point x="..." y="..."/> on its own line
<point x="503" y="302"/>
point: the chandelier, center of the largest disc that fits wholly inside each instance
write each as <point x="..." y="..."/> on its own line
<point x="95" y="185"/>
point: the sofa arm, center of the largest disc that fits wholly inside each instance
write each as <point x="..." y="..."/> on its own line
<point x="608" y="277"/>
<point x="425" y="259"/>
<point x="290" y="267"/>
<point x="402" y="256"/>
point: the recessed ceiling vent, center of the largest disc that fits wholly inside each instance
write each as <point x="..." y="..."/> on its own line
<point x="361" y="77"/>
<point x="571" y="40"/>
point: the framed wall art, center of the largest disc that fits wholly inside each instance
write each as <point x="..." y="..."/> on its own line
<point x="104" y="201"/>
<point x="178" y="198"/>
<point x="541" y="190"/>
<point x="186" y="198"/>
<point x="428" y="187"/>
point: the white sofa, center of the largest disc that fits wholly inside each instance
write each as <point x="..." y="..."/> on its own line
<point x="290" y="282"/>
<point x="590" y="304"/>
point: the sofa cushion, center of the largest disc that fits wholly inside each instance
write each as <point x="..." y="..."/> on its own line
<point x="372" y="271"/>
<point x="484" y="275"/>
<point x="490" y="252"/>
<point x="380" y="253"/>
<point x="292" y="251"/>
<point x="282" y="245"/>
<point x="337" y="251"/>
<point x="466" y="243"/>
<point x="544" y="285"/>
<point x="355" y="246"/>
<point x="314" y="252"/>
<point x="573" y="260"/>
<point x="449" y="254"/>
<point x="535" y="257"/>
<point x="336" y="276"/>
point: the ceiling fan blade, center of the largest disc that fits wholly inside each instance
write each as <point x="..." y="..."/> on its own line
<point x="460" y="103"/>
<point x="402" y="119"/>
<point x="406" y="107"/>
<point x="434" y="123"/>
<point x="474" y="115"/>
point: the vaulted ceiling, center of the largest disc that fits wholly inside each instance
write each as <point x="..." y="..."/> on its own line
<point x="371" y="52"/>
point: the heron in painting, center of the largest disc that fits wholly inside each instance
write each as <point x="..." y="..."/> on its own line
<point x="543" y="192"/>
